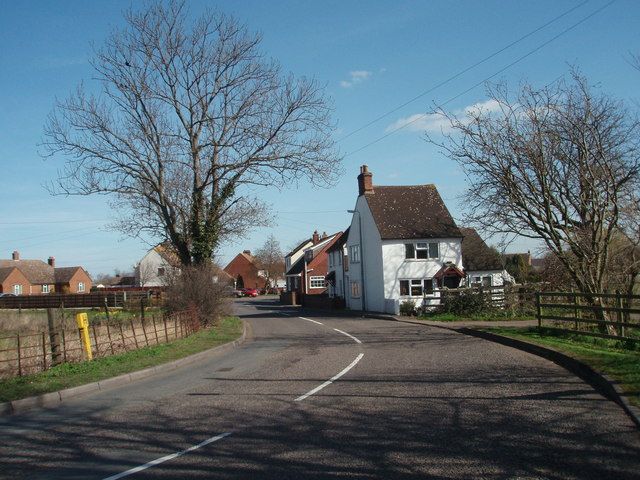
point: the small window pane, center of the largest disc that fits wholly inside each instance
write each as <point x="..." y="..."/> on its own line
<point x="486" y="281"/>
<point x="409" y="251"/>
<point x="428" y="286"/>
<point x="433" y="250"/>
<point x="421" y="245"/>
<point x="422" y="253"/>
<point x="404" y="287"/>
<point x="416" y="291"/>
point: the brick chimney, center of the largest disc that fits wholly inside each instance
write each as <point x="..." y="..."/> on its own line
<point x="52" y="261"/>
<point x="248" y="252"/>
<point x="15" y="255"/>
<point x="315" y="238"/>
<point x="365" y="181"/>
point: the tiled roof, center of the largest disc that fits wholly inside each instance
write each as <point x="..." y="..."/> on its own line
<point x="476" y="255"/>
<point x="36" y="271"/>
<point x="298" y="247"/>
<point x="64" y="274"/>
<point x="407" y="212"/>
<point x="339" y="243"/>
<point x="168" y="254"/>
<point x="5" y="272"/>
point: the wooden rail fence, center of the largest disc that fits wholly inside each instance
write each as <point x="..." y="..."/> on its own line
<point x="23" y="354"/>
<point x="80" y="300"/>
<point x="606" y="315"/>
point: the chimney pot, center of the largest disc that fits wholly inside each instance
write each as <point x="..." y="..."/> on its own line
<point x="52" y="261"/>
<point x="248" y="252"/>
<point x="15" y="255"/>
<point x="365" y="181"/>
<point x="315" y="238"/>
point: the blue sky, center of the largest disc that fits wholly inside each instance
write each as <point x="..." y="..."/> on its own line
<point x="372" y="57"/>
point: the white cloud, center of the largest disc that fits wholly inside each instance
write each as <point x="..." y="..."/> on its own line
<point x="355" y="77"/>
<point x="437" y="123"/>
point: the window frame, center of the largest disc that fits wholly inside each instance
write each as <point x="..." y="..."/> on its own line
<point x="411" y="285"/>
<point x="317" y="278"/>
<point x="81" y="287"/>
<point x="45" y="288"/>
<point x="355" y="289"/>
<point x="354" y="253"/>
<point x="17" y="289"/>
<point x="422" y="251"/>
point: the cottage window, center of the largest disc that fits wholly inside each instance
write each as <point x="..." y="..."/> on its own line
<point x="421" y="250"/>
<point x="45" y="288"/>
<point x="354" y="253"/>
<point x="161" y="271"/>
<point x="416" y="287"/>
<point x="17" y="289"/>
<point x="80" y="286"/>
<point x="355" y="290"/>
<point x="316" y="282"/>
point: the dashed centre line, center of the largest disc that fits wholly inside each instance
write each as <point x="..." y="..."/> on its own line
<point x="166" y="458"/>
<point x="309" y="320"/>
<point x="348" y="335"/>
<point x="331" y="380"/>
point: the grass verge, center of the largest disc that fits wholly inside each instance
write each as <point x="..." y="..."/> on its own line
<point x="605" y="356"/>
<point x="499" y="316"/>
<point x="73" y="374"/>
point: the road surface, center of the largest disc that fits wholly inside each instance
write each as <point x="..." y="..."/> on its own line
<point x="328" y="397"/>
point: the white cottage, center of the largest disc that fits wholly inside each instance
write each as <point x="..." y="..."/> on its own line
<point x="402" y="243"/>
<point x="156" y="266"/>
<point x="482" y="265"/>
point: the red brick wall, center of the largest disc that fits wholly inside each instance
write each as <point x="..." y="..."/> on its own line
<point x="241" y="265"/>
<point x="15" y="278"/>
<point x="72" y="286"/>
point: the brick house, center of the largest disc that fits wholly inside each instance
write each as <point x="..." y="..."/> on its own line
<point x="307" y="275"/>
<point x="35" y="277"/>
<point x="244" y="271"/>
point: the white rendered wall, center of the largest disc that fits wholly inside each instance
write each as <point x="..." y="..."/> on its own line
<point x="147" y="270"/>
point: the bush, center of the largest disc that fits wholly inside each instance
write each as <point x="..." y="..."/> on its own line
<point x="408" y="308"/>
<point x="194" y="289"/>
<point x="467" y="302"/>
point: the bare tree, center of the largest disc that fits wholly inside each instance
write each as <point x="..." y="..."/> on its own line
<point x="189" y="119"/>
<point x="269" y="257"/>
<point x="556" y="164"/>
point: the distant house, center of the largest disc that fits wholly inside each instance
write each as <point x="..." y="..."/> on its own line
<point x="243" y="269"/>
<point x="156" y="266"/>
<point x="307" y="274"/>
<point x="338" y="266"/>
<point x="36" y="277"/>
<point x="402" y="244"/>
<point x="482" y="265"/>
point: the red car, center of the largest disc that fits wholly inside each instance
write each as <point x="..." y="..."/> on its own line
<point x="250" y="292"/>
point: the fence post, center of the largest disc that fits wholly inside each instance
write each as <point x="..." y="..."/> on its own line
<point x="538" y="310"/>
<point x="19" y="356"/>
<point x="155" y="329"/>
<point x="109" y="337"/>
<point x="175" y="325"/>
<point x="124" y="343"/>
<point x="44" y="351"/>
<point x="166" y="334"/>
<point x="64" y="347"/>
<point x="53" y="338"/>
<point x="133" y="331"/>
<point x="575" y="308"/>
<point x="95" y="339"/>
<point x="621" y="331"/>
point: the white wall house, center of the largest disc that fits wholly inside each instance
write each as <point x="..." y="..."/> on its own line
<point x="402" y="242"/>
<point x="338" y="269"/>
<point x="482" y="265"/>
<point x="155" y="267"/>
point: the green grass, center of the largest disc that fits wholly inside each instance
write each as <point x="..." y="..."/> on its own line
<point x="618" y="360"/>
<point x="74" y="374"/>
<point x="497" y="316"/>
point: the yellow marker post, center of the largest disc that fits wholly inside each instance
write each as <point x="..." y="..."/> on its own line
<point x="83" y="327"/>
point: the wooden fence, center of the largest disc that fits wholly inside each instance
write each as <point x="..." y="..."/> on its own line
<point x="606" y="315"/>
<point x="23" y="354"/>
<point x="80" y="300"/>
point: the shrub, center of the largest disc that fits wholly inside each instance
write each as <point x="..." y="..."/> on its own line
<point x="408" y="308"/>
<point x="466" y="302"/>
<point x="195" y="289"/>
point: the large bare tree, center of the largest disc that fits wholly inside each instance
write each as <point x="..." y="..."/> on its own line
<point x="558" y="164"/>
<point x="188" y="119"/>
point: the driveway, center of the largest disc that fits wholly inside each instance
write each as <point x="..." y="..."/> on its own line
<point x="330" y="397"/>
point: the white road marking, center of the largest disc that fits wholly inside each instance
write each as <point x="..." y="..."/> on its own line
<point x="348" y="335"/>
<point x="309" y="320"/>
<point x="330" y="381"/>
<point x="160" y="460"/>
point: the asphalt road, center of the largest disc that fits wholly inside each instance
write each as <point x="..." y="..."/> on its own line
<point x="416" y="402"/>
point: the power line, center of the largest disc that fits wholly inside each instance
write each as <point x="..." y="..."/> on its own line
<point x="34" y="222"/>
<point x="462" y="72"/>
<point x="518" y="60"/>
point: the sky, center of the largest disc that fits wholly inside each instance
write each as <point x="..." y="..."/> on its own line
<point x="384" y="64"/>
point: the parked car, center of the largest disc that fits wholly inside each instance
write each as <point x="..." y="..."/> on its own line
<point x="250" y="292"/>
<point x="238" y="292"/>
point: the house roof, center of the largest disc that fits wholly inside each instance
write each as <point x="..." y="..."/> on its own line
<point x="5" y="272"/>
<point x="36" y="271"/>
<point x="476" y="255"/>
<point x="168" y="254"/>
<point x="339" y="243"/>
<point x="64" y="274"/>
<point x="299" y="246"/>
<point x="297" y="267"/>
<point x="414" y="211"/>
